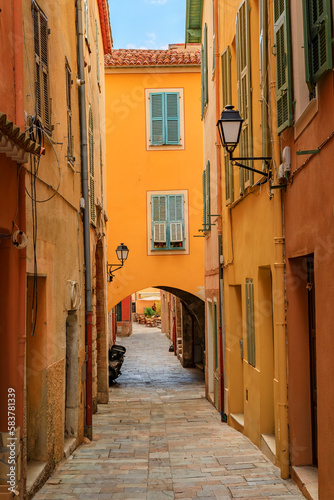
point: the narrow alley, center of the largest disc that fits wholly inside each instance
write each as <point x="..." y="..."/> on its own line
<point x="159" y="438"/>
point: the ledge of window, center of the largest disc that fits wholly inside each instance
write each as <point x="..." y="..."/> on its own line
<point x="165" y="147"/>
<point x="239" y="418"/>
<point x="306" y="117"/>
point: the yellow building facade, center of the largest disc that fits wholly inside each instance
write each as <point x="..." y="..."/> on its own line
<point x="145" y="175"/>
<point x="250" y="354"/>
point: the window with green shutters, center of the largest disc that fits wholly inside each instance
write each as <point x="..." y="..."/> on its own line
<point x="165" y="118"/>
<point x="227" y="99"/>
<point x="204" y="70"/>
<point x="206" y="198"/>
<point x="317" y="39"/>
<point x="250" y="328"/>
<point x="167" y="222"/>
<point x="244" y="89"/>
<point x="264" y="87"/>
<point x="42" y="100"/>
<point x="91" y="165"/>
<point x="283" y="65"/>
<point x="86" y="20"/>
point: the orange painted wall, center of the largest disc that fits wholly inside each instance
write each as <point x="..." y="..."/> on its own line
<point x="308" y="207"/>
<point x="132" y="171"/>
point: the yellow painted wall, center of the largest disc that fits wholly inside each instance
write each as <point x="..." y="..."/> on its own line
<point x="252" y="248"/>
<point x="132" y="171"/>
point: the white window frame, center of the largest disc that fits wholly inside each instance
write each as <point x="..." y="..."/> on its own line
<point x="164" y="147"/>
<point x="185" y="251"/>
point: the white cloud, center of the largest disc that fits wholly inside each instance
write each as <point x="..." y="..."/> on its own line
<point x="160" y="2"/>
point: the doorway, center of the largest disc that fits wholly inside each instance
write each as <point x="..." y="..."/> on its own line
<point x="71" y="376"/>
<point x="313" y="356"/>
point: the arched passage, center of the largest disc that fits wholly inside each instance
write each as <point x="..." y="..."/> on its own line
<point x="183" y="320"/>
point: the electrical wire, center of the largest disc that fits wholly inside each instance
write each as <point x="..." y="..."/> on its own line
<point x="44" y="134"/>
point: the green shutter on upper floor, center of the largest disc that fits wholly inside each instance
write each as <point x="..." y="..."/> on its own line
<point x="202" y="81"/>
<point x="172" y="118"/>
<point x="264" y="87"/>
<point x="227" y="99"/>
<point x="91" y="165"/>
<point x="97" y="52"/>
<point x="157" y="118"/>
<point x="283" y="65"/>
<point x="317" y="39"/>
<point x="207" y="198"/>
<point x="244" y="88"/>
<point x="213" y="38"/>
<point x="205" y="65"/>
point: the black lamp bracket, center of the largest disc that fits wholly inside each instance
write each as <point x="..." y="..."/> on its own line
<point x="110" y="271"/>
<point x="266" y="159"/>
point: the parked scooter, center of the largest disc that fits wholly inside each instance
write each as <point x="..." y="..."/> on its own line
<point x="116" y="357"/>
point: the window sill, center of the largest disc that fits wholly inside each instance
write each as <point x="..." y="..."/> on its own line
<point x="166" y="147"/>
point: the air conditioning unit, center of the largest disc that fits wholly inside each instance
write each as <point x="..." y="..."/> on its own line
<point x="287" y="160"/>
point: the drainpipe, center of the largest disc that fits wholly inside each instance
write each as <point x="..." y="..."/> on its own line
<point x="86" y="227"/>
<point x="220" y="210"/>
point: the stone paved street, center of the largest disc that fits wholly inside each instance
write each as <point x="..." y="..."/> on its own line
<point x="159" y="438"/>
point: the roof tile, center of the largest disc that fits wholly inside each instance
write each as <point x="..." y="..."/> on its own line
<point x="141" y="57"/>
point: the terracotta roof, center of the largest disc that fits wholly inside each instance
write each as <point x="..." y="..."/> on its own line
<point x="138" y="57"/>
<point x="105" y="25"/>
<point x="15" y="143"/>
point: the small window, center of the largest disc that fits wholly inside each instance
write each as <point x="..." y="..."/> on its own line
<point x="97" y="53"/>
<point x="86" y="20"/>
<point x="42" y="99"/>
<point x="70" y="157"/>
<point x="164" y="119"/>
<point x="167" y="219"/>
<point x="167" y="222"/>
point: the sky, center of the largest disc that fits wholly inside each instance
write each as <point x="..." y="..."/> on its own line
<point x="147" y="24"/>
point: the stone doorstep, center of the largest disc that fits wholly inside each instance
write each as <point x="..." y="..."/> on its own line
<point x="306" y="477"/>
<point x="35" y="470"/>
<point x="69" y="446"/>
<point x="268" y="446"/>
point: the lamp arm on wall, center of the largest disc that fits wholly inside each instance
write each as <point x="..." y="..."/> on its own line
<point x="252" y="158"/>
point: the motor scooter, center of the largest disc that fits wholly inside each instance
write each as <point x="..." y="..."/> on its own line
<point x="116" y="356"/>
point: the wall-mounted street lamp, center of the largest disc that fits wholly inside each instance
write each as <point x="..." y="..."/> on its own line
<point x="122" y="253"/>
<point x="229" y="126"/>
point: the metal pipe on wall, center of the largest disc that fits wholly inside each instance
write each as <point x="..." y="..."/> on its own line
<point x="84" y="181"/>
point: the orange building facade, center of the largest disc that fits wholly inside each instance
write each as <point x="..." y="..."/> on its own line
<point x="154" y="149"/>
<point x="309" y="238"/>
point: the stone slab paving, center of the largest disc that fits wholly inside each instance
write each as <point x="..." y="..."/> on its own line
<point x="160" y="439"/>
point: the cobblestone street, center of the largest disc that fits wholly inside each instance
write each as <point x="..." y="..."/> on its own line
<point x="158" y="438"/>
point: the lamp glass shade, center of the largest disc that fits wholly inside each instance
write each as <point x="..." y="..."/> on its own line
<point x="122" y="252"/>
<point x="229" y="126"/>
<point x="231" y="132"/>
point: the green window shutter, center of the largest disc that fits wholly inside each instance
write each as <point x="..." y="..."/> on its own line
<point x="317" y="39"/>
<point x="70" y="158"/>
<point x="263" y="24"/>
<point x="204" y="200"/>
<point x="157" y="118"/>
<point x="227" y="99"/>
<point x="283" y="65"/>
<point x="207" y="220"/>
<point x="159" y="220"/>
<point x="250" y="329"/>
<point x="97" y="52"/>
<point x="205" y="59"/>
<point x="42" y="97"/>
<point x="202" y="81"/>
<point x="91" y="165"/>
<point x="244" y="89"/>
<point x="176" y="219"/>
<point x="172" y="124"/>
